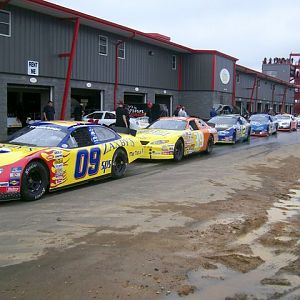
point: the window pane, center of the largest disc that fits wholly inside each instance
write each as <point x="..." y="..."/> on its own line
<point x="4" y="29"/>
<point x="104" y="134"/>
<point x="103" y="50"/>
<point x="4" y="17"/>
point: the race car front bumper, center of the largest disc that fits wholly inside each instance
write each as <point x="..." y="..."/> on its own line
<point x="158" y="152"/>
<point x="9" y="196"/>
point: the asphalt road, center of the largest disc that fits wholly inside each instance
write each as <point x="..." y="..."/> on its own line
<point x="27" y="229"/>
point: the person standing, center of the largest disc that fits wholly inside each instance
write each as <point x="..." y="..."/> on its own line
<point x="49" y="111"/>
<point x="122" y="116"/>
<point x="149" y="111"/>
<point x="78" y="112"/>
<point x="176" y="111"/>
<point x="182" y="112"/>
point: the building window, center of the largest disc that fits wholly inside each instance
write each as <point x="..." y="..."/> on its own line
<point x="174" y="62"/>
<point x="121" y="50"/>
<point x="258" y="83"/>
<point x="5" y="23"/>
<point x="103" y="45"/>
<point x="237" y="78"/>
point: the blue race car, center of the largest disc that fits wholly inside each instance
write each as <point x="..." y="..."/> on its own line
<point x="231" y="128"/>
<point x="263" y="125"/>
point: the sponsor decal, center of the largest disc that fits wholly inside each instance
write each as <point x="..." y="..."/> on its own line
<point x="15" y="175"/>
<point x="4" y="150"/>
<point x="105" y="165"/>
<point x="16" y="169"/>
<point x="58" y="154"/>
<point x="58" y="166"/>
<point x="1" y="170"/>
<point x="15" y="189"/>
<point x="4" y="184"/>
<point x="14" y="182"/>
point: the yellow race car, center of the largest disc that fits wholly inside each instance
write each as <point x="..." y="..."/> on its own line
<point x="175" y="137"/>
<point x="54" y="155"/>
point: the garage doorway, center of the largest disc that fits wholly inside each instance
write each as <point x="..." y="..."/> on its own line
<point x="24" y="102"/>
<point x="91" y="100"/>
<point x="132" y="98"/>
<point x="165" y="101"/>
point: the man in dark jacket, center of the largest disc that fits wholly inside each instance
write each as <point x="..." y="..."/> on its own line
<point x="122" y="115"/>
<point x="49" y="111"/>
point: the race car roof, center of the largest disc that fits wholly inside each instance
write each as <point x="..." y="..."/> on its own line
<point x="156" y="39"/>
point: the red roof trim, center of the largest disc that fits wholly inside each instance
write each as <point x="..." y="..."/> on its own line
<point x="215" y="52"/>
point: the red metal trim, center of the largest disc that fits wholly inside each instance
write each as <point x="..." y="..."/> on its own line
<point x="233" y="85"/>
<point x="213" y="78"/>
<point x="3" y="4"/>
<point x="69" y="71"/>
<point x="215" y="52"/>
<point x="117" y="67"/>
<point x="283" y="101"/>
<point x="252" y="93"/>
<point x="62" y="55"/>
<point x="180" y="73"/>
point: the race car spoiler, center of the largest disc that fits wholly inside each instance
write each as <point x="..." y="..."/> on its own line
<point x="124" y="130"/>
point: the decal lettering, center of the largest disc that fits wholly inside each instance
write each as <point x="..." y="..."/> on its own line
<point x="106" y="165"/>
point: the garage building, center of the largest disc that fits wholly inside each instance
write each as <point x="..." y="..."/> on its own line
<point x="52" y="52"/>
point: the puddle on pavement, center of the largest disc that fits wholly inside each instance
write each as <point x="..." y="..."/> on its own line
<point x="265" y="281"/>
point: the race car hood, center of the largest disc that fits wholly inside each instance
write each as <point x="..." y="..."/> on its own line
<point x="224" y="127"/>
<point x="10" y="154"/>
<point x="157" y="134"/>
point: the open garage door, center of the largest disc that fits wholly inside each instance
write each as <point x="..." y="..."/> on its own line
<point x="91" y="100"/>
<point x="165" y="102"/>
<point x="132" y="98"/>
<point x="25" y="102"/>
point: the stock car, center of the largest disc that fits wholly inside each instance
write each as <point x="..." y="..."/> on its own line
<point x="231" y="128"/>
<point x="263" y="125"/>
<point x="286" y="122"/>
<point x="175" y="137"/>
<point x="53" y="155"/>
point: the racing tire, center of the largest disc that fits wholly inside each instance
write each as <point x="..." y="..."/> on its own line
<point x="234" y="138"/>
<point x="178" y="150"/>
<point x="35" y="181"/>
<point x="210" y="145"/>
<point x="119" y="164"/>
<point x="248" y="136"/>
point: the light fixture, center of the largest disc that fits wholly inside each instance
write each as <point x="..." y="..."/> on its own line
<point x="136" y="89"/>
<point x="88" y="85"/>
<point x="165" y="91"/>
<point x="151" y="53"/>
<point x="33" y="80"/>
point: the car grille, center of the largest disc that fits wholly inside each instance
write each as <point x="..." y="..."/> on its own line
<point x="144" y="142"/>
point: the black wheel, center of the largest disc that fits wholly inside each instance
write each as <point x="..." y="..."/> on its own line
<point x="178" y="150"/>
<point x="248" y="136"/>
<point x="234" y="138"/>
<point x="210" y="145"/>
<point x="35" y="181"/>
<point x="119" y="164"/>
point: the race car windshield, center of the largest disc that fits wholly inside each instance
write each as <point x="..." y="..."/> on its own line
<point x="39" y="136"/>
<point x="283" y="117"/>
<point x="169" y="124"/>
<point x="223" y="120"/>
<point x="258" y="118"/>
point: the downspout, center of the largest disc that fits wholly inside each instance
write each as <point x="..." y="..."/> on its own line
<point x="233" y="85"/>
<point x="117" y="67"/>
<point x="283" y="100"/>
<point x="71" y="56"/>
<point x="252" y="93"/>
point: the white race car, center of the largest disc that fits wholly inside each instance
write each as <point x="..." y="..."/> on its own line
<point x="108" y="118"/>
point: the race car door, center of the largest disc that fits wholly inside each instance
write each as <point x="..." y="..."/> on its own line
<point x="197" y="135"/>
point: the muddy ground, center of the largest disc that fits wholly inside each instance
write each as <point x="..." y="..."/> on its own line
<point x="242" y="243"/>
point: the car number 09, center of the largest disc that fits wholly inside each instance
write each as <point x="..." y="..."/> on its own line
<point x="87" y="162"/>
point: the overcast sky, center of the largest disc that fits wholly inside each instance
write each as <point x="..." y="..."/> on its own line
<point x="248" y="30"/>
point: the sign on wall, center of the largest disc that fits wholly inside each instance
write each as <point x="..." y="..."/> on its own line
<point x="33" y="68"/>
<point x="225" y="76"/>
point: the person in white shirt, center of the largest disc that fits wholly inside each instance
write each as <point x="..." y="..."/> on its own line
<point x="182" y="112"/>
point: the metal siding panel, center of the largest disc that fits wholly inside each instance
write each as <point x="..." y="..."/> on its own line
<point x="228" y="64"/>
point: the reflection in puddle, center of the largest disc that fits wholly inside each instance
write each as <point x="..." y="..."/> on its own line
<point x="263" y="282"/>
